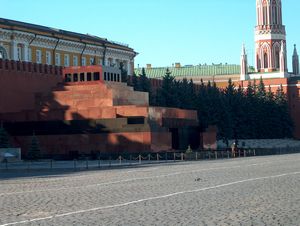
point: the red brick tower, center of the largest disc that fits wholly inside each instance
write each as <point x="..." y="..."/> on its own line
<point x="270" y="37"/>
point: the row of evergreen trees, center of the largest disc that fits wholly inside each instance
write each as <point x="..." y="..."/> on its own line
<point x="251" y="113"/>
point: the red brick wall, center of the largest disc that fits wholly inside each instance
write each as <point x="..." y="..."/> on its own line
<point x="294" y="103"/>
<point x="19" y="81"/>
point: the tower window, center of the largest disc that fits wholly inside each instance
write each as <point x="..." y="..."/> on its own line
<point x="265" y="15"/>
<point x="275" y="15"/>
<point x="266" y="65"/>
<point x="277" y="59"/>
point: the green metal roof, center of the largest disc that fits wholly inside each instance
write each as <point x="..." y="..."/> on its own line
<point x="193" y="71"/>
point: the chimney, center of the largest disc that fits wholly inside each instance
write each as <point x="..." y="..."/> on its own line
<point x="177" y="65"/>
<point x="148" y="66"/>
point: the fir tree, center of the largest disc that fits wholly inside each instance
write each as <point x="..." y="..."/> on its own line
<point x="261" y="90"/>
<point x="4" y="138"/>
<point x="34" y="151"/>
<point x="133" y="82"/>
<point x="143" y="82"/>
<point x="250" y="90"/>
<point x="270" y="94"/>
<point x="124" y="74"/>
<point x="184" y="94"/>
<point x="167" y="93"/>
<point x="285" y="121"/>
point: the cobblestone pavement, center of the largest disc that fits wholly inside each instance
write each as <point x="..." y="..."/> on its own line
<point x="246" y="191"/>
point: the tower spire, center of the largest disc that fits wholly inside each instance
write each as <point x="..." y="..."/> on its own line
<point x="295" y="61"/>
<point x="244" y="64"/>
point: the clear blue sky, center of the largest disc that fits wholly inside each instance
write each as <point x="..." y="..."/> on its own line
<point x="162" y="31"/>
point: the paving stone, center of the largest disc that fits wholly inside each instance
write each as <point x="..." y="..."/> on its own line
<point x="245" y="191"/>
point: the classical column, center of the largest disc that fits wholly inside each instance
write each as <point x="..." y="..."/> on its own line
<point x="14" y="50"/>
<point x="113" y="62"/>
<point x="129" y="68"/>
<point x="25" y="53"/>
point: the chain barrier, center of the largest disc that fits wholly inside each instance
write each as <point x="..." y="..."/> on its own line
<point x="129" y="159"/>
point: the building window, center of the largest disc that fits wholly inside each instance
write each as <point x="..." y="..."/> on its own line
<point x="96" y="76"/>
<point x="57" y="59"/>
<point x="92" y="60"/>
<point x="75" y="77"/>
<point x="3" y="54"/>
<point x="82" y="77"/>
<point x="66" y="60"/>
<point x="68" y="78"/>
<point x="19" y="52"/>
<point x="39" y="56"/>
<point x="48" y="57"/>
<point x="99" y="61"/>
<point x="89" y="76"/>
<point x="75" y="61"/>
<point x="83" y="61"/>
<point x="29" y="55"/>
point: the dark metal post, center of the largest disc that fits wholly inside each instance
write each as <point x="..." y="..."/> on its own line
<point x="99" y="162"/>
<point x="74" y="164"/>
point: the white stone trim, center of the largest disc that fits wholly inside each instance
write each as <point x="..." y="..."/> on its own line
<point x="269" y="75"/>
<point x="264" y="37"/>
